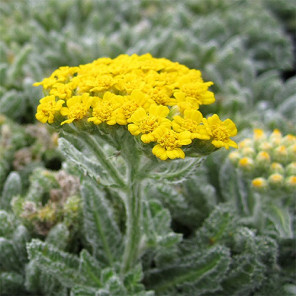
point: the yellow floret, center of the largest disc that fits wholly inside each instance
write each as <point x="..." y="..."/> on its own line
<point x="142" y="122"/>
<point x="220" y="131"/>
<point x="169" y="143"/>
<point x="48" y="108"/>
<point x="77" y="108"/>
<point x="191" y="121"/>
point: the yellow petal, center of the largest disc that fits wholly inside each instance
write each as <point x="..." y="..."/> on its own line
<point x="220" y="144"/>
<point x="159" y="152"/>
<point x="64" y="111"/>
<point x="147" y="138"/>
<point x="133" y="129"/>
<point x="138" y="115"/>
<point x="176" y="153"/>
<point x="193" y="115"/>
<point x="159" y="111"/>
<point x="232" y="143"/>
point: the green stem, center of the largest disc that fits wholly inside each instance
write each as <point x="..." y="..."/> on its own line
<point x="133" y="205"/>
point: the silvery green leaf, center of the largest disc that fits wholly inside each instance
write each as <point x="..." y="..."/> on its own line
<point x="41" y="182"/>
<point x="90" y="266"/>
<point x="234" y="188"/>
<point x="156" y="226"/>
<point x="217" y="227"/>
<point x="12" y="104"/>
<point x="101" y="230"/>
<point x="11" y="283"/>
<point x="175" y="171"/>
<point x="288" y="107"/>
<point x="20" y="237"/>
<point x="281" y="219"/>
<point x="40" y="282"/>
<point x="247" y="268"/>
<point x="4" y="170"/>
<point x="6" y="224"/>
<point x="3" y="70"/>
<point x="91" y="160"/>
<point x="9" y="259"/>
<point x="12" y="188"/>
<point x="58" y="236"/>
<point x="16" y="68"/>
<point x="60" y="265"/>
<point x="196" y="274"/>
<point x="80" y="290"/>
<point x="287" y="90"/>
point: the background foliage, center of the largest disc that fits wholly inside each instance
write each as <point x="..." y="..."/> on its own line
<point x="201" y="241"/>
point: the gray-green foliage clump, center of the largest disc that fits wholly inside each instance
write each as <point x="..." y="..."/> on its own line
<point x="62" y="234"/>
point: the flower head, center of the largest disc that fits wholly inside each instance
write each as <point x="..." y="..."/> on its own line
<point x="155" y="99"/>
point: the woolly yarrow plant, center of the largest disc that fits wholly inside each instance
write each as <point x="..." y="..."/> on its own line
<point x="126" y="123"/>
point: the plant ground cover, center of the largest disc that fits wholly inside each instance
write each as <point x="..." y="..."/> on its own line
<point x="225" y="228"/>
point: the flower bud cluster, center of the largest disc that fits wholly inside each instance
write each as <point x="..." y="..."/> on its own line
<point x="269" y="160"/>
<point x="63" y="205"/>
<point x="156" y="99"/>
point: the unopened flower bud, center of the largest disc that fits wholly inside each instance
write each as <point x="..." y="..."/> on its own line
<point x="276" y="137"/>
<point x="276" y="167"/>
<point x="259" y="135"/>
<point x="291" y="182"/>
<point x="291" y="169"/>
<point x="263" y="158"/>
<point x="259" y="183"/>
<point x="275" y="180"/>
<point x="265" y="146"/>
<point x="289" y="140"/>
<point x="292" y="152"/>
<point x="280" y="154"/>
<point x="248" y="151"/>
<point x="246" y="163"/>
<point x="245" y="143"/>
<point x="234" y="157"/>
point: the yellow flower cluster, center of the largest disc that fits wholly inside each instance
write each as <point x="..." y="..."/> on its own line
<point x="156" y="99"/>
<point x="269" y="160"/>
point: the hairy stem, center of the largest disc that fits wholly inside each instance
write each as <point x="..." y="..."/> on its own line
<point x="133" y="205"/>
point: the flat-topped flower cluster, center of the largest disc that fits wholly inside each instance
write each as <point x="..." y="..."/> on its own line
<point x="268" y="159"/>
<point x="155" y="98"/>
